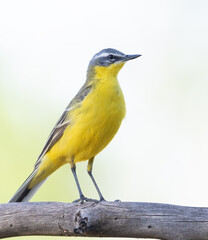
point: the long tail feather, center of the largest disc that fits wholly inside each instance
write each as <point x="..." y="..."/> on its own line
<point x="24" y="193"/>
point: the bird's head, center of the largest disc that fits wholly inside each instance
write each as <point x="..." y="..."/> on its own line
<point x="108" y="61"/>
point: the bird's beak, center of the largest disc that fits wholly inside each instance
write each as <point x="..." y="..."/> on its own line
<point x="130" y="57"/>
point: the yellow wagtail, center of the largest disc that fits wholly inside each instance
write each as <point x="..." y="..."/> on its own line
<point x="87" y="125"/>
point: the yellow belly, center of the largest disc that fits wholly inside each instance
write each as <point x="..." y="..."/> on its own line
<point x="91" y="133"/>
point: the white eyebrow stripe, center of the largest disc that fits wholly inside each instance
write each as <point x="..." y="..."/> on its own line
<point x="105" y="54"/>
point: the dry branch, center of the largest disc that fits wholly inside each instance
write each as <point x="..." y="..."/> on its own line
<point x="106" y="219"/>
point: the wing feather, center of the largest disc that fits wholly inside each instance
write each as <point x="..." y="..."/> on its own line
<point x="64" y="121"/>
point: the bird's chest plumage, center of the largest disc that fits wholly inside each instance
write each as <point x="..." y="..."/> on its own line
<point x="96" y="121"/>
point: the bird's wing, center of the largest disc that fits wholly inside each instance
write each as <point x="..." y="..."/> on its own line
<point x="64" y="121"/>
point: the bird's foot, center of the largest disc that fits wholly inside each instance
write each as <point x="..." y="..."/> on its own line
<point x="102" y="199"/>
<point x="83" y="199"/>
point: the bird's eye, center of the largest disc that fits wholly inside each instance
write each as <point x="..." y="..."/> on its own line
<point x="110" y="56"/>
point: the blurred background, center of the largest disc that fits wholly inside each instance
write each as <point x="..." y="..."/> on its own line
<point x="160" y="153"/>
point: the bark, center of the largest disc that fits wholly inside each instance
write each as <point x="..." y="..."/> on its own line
<point x="106" y="219"/>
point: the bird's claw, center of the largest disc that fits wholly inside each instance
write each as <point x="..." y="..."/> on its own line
<point x="83" y="199"/>
<point x="102" y="199"/>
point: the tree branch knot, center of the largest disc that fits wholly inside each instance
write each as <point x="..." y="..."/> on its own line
<point x="80" y="223"/>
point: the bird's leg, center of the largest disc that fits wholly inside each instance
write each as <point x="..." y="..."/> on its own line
<point x="73" y="168"/>
<point x="89" y="170"/>
<point x="82" y="198"/>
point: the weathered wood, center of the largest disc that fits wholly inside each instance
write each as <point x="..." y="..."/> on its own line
<point x="106" y="219"/>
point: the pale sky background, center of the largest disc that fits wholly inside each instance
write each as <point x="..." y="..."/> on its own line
<point x="160" y="153"/>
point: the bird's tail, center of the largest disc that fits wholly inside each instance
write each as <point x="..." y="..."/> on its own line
<point x="24" y="193"/>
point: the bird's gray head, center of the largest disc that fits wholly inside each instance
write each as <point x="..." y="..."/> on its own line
<point x="109" y="56"/>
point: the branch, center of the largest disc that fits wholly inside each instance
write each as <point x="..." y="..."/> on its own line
<point x="106" y="219"/>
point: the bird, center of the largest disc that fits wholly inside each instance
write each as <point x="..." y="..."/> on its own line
<point x="86" y="127"/>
